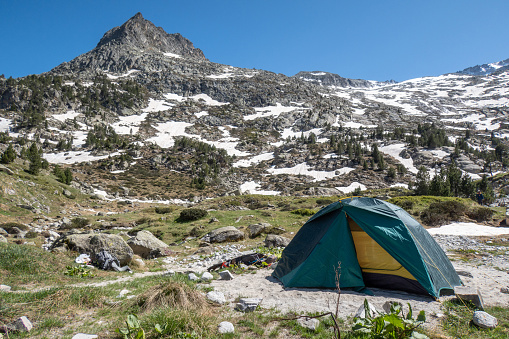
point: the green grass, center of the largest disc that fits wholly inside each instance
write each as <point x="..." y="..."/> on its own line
<point x="457" y="322"/>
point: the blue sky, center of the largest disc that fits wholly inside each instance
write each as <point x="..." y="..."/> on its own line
<point x="361" y="39"/>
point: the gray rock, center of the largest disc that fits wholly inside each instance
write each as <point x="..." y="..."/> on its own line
<point x="228" y="233"/>
<point x="226" y="275"/>
<point x="3" y="239"/>
<point x="5" y="288"/>
<point x="309" y="323"/>
<point x="92" y="244"/>
<point x="193" y="277"/>
<point x="471" y="294"/>
<point x="255" y="230"/>
<point x="207" y="276"/>
<point x="225" y="327"/>
<point x="146" y="245"/>
<point x="20" y="325"/>
<point x="484" y="320"/>
<point x="6" y="170"/>
<point x="216" y="297"/>
<point x="505" y="290"/>
<point x="3" y="232"/>
<point x="67" y="193"/>
<point x="248" y="304"/>
<point x="273" y="240"/>
<point x="84" y="336"/>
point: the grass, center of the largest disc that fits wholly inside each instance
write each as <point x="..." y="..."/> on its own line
<point x="457" y="322"/>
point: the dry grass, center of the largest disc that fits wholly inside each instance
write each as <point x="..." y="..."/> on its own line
<point x="171" y="295"/>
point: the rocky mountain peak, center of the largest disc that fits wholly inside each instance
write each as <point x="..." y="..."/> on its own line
<point x="139" y="33"/>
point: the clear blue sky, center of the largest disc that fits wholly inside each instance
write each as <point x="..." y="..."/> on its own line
<point x="361" y="39"/>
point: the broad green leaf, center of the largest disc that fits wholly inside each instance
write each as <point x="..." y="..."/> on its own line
<point x="158" y="329"/>
<point x="132" y="321"/>
<point x="421" y="316"/>
<point x="409" y="315"/>
<point x="140" y="334"/>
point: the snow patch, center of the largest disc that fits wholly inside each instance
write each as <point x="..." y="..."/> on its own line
<point x="73" y="157"/>
<point x="63" y="117"/>
<point x="129" y="124"/>
<point x="172" y="55"/>
<point x="270" y="111"/>
<point x="468" y="229"/>
<point x="352" y="187"/>
<point x="252" y="187"/>
<point x="254" y="160"/>
<point x="394" y="151"/>
<point x="304" y="169"/>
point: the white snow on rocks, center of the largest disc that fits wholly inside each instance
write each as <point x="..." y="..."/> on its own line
<point x="198" y="97"/>
<point x="172" y="55"/>
<point x="73" y="157"/>
<point x="252" y="187"/>
<point x="254" y="160"/>
<point x="201" y="114"/>
<point x="129" y="124"/>
<point x="304" y="169"/>
<point x="270" y="111"/>
<point x="129" y="72"/>
<point x="168" y="131"/>
<point x="63" y="117"/>
<point x="155" y="105"/>
<point x="394" y="151"/>
<point x="5" y="125"/>
<point x="468" y="229"/>
<point x="352" y="187"/>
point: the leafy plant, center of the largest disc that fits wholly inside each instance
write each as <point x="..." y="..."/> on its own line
<point x="303" y="212"/>
<point x="133" y="330"/>
<point x="81" y="271"/>
<point x="191" y="214"/>
<point x="395" y="325"/>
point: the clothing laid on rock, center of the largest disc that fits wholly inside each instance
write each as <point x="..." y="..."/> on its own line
<point x="247" y="259"/>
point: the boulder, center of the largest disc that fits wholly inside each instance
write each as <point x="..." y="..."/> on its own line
<point x="146" y="245"/>
<point x="309" y="323"/>
<point x="193" y="277"/>
<point x="484" y="320"/>
<point x="6" y="170"/>
<point x="226" y="327"/>
<point x="273" y="240"/>
<point x="255" y="230"/>
<point x="216" y="297"/>
<point x="3" y="232"/>
<point x="226" y="275"/>
<point x="3" y="239"/>
<point x="228" y="233"/>
<point x="92" y="244"/>
<point x="248" y="304"/>
<point x="207" y="276"/>
<point x="5" y="288"/>
<point x="21" y="324"/>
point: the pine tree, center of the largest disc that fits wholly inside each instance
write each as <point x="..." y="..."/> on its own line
<point x="34" y="156"/>
<point x="422" y="181"/>
<point x="9" y="155"/>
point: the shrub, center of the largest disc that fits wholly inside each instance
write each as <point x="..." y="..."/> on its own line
<point x="191" y="214"/>
<point x="163" y="210"/>
<point x="322" y="202"/>
<point x="439" y="213"/>
<point x="31" y="235"/>
<point x="405" y="204"/>
<point x="79" y="222"/>
<point x="8" y="227"/>
<point x="303" y="212"/>
<point x="481" y="214"/>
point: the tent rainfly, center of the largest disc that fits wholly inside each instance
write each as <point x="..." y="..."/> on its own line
<point x="374" y="244"/>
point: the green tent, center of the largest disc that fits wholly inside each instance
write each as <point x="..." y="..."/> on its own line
<point x="374" y="244"/>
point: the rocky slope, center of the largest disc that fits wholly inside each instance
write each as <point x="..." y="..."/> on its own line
<point x="130" y="106"/>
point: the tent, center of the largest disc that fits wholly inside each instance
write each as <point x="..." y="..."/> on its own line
<point x="374" y="244"/>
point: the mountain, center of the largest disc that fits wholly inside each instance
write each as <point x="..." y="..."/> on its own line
<point x="145" y="115"/>
<point x="486" y="69"/>
<point x="331" y="79"/>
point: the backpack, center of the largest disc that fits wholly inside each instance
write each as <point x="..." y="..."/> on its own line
<point x="106" y="261"/>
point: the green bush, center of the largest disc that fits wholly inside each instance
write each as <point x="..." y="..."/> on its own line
<point x="322" y="202"/>
<point x="79" y="222"/>
<point x="481" y="214"/>
<point x="440" y="213"/>
<point x="303" y="212"/>
<point x="163" y="210"/>
<point x="191" y="214"/>
<point x="8" y="226"/>
<point x="31" y="235"/>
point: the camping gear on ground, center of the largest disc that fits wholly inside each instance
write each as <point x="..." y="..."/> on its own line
<point x="374" y="243"/>
<point x="247" y="259"/>
<point x="107" y="261"/>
